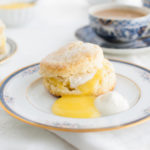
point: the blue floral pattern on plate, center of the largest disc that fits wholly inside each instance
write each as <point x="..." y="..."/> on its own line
<point x="9" y="99"/>
<point x="30" y="71"/>
<point x="147" y="111"/>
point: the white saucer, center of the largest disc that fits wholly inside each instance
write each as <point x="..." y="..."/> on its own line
<point x="11" y="48"/>
<point x="87" y="34"/>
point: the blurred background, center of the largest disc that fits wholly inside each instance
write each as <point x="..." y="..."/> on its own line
<point x="39" y="27"/>
<point x="45" y="25"/>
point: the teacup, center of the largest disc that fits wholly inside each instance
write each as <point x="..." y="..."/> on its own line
<point x="146" y="3"/>
<point x="115" y="29"/>
<point x="14" y="13"/>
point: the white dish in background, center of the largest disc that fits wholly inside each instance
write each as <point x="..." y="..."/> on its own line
<point x="24" y="97"/>
<point x="11" y="48"/>
<point x="135" y="2"/>
<point x="17" y="17"/>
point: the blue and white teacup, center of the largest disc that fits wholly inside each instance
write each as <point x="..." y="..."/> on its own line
<point x="146" y="3"/>
<point x="120" y="30"/>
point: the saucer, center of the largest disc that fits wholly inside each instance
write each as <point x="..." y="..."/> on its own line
<point x="24" y="97"/>
<point x="87" y="34"/>
<point x="11" y="48"/>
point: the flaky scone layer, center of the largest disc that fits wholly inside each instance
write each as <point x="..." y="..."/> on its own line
<point x="105" y="83"/>
<point x="74" y="58"/>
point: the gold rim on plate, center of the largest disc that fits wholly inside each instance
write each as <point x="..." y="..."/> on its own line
<point x="136" y="122"/>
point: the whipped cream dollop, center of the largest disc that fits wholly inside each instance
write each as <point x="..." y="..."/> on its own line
<point x="111" y="103"/>
<point x="75" y="81"/>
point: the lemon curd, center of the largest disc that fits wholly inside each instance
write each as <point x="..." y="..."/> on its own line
<point x="75" y="107"/>
<point x="78" y="106"/>
<point x="89" y="86"/>
<point x="16" y="5"/>
<point x="85" y="89"/>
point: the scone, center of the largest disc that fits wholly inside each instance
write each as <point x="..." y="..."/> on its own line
<point x="77" y="69"/>
<point x="2" y="38"/>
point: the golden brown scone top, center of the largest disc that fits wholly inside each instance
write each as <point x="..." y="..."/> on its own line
<point x="74" y="58"/>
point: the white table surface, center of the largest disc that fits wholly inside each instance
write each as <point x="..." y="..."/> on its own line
<point x="54" y="26"/>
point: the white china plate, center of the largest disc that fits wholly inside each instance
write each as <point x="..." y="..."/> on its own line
<point x="24" y="97"/>
<point x="11" y="48"/>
